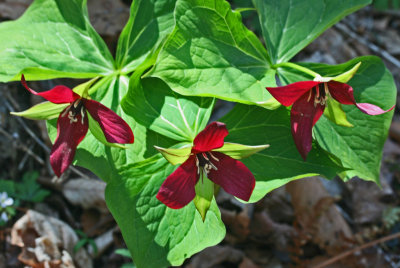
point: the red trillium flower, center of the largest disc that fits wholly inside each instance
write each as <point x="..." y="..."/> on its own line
<point x="309" y="99"/>
<point x="73" y="124"/>
<point x="232" y="175"/>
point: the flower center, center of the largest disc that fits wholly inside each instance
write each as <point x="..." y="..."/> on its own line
<point x="320" y="93"/>
<point x="74" y="110"/>
<point x="203" y="162"/>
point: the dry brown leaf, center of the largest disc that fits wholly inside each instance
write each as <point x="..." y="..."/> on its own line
<point x="212" y="256"/>
<point x="366" y="196"/>
<point x="43" y="241"/>
<point x="247" y="263"/>
<point x="86" y="193"/>
<point x="317" y="214"/>
<point x="238" y="223"/>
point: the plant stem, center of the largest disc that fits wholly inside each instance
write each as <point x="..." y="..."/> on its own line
<point x="296" y="67"/>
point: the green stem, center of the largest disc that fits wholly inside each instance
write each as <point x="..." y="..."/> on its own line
<point x="297" y="67"/>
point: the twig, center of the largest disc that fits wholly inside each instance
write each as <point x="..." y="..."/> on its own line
<point x="392" y="13"/>
<point x="387" y="56"/>
<point x="26" y="128"/>
<point x="349" y="252"/>
<point x="23" y="147"/>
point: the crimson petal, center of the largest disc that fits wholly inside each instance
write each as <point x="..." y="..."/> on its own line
<point x="57" y="95"/>
<point x="115" y="129"/>
<point x="69" y="135"/>
<point x="233" y="176"/>
<point x="343" y="93"/>
<point x="287" y="95"/>
<point x="212" y="137"/>
<point x="178" y="189"/>
<point x="303" y="116"/>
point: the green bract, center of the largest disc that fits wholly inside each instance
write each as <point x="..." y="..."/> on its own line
<point x="204" y="195"/>
<point x="43" y="111"/>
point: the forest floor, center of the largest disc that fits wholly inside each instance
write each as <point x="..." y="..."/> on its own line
<point x="311" y="222"/>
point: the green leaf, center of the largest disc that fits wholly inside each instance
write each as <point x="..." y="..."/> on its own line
<point x="281" y="162"/>
<point x="239" y="151"/>
<point x="204" y="195"/>
<point x="149" y="227"/>
<point x="175" y="156"/>
<point x="153" y="104"/>
<point x="149" y="23"/>
<point x="128" y="265"/>
<point x="359" y="148"/>
<point x="53" y="38"/>
<point x="80" y="244"/>
<point x="123" y="252"/>
<point x="288" y="26"/>
<point x="43" y="111"/>
<point x="7" y="186"/>
<point x="29" y="189"/>
<point x="211" y="53"/>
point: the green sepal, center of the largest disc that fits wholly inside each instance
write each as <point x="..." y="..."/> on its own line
<point x="97" y="132"/>
<point x="244" y="9"/>
<point x="345" y="77"/>
<point x="239" y="151"/>
<point x="83" y="89"/>
<point x="342" y="78"/>
<point x="43" y="111"/>
<point x="204" y="195"/>
<point x="335" y="113"/>
<point x="175" y="156"/>
<point x="270" y="104"/>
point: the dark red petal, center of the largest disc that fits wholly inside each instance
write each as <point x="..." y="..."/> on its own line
<point x="115" y="129"/>
<point x="69" y="135"/>
<point x="58" y="94"/>
<point x="212" y="137"/>
<point x="303" y="116"/>
<point x="343" y="93"/>
<point x="287" y="95"/>
<point x="178" y="189"/>
<point x="233" y="176"/>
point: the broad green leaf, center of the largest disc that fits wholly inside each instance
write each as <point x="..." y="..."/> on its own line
<point x="53" y="38"/>
<point x="153" y="104"/>
<point x="386" y="4"/>
<point x="281" y="162"/>
<point x="239" y="151"/>
<point x="290" y="25"/>
<point x="42" y="111"/>
<point x="102" y="159"/>
<point x="360" y="147"/>
<point x="149" y="23"/>
<point x="204" y="195"/>
<point x="175" y="156"/>
<point x="152" y="229"/>
<point x="211" y="53"/>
